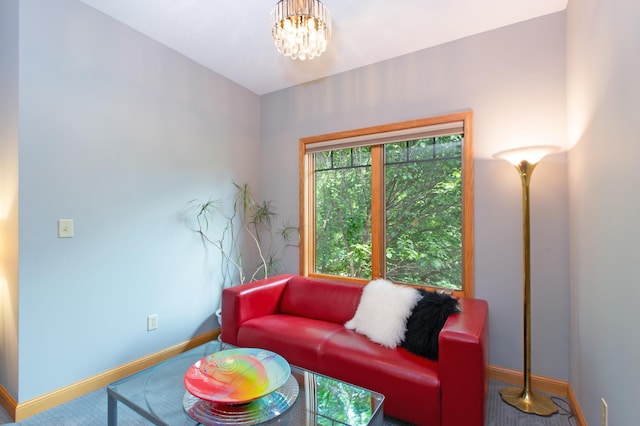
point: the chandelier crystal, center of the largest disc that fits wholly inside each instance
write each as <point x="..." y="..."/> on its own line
<point x="301" y="28"/>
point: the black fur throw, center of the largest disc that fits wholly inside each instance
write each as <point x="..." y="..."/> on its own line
<point x="426" y="321"/>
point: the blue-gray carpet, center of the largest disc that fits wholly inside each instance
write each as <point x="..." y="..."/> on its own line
<point x="91" y="410"/>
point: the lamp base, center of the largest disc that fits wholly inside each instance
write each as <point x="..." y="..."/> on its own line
<point x="528" y="401"/>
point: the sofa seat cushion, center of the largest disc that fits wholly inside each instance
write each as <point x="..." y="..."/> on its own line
<point x="299" y="340"/>
<point x="410" y="383"/>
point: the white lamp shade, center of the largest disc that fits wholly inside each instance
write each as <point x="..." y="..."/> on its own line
<point x="530" y="154"/>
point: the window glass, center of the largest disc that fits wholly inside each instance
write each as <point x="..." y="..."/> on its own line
<point x="343" y="213"/>
<point x="423" y="209"/>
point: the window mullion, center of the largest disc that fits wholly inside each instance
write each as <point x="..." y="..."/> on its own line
<point x="377" y="212"/>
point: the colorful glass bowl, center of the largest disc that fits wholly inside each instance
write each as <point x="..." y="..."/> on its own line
<point x="237" y="376"/>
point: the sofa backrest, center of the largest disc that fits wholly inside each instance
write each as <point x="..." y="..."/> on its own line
<point x="327" y="300"/>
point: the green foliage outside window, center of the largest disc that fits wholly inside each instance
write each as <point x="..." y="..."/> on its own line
<point x="424" y="213"/>
<point x="423" y="208"/>
<point x="343" y="212"/>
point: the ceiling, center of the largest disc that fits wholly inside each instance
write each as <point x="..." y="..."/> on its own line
<point x="233" y="37"/>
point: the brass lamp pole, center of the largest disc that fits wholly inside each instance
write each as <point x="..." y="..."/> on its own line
<point x="525" y="399"/>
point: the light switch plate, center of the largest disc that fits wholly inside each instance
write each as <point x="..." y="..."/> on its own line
<point x="152" y="322"/>
<point x="65" y="228"/>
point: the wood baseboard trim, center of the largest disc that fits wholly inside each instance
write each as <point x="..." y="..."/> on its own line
<point x="542" y="384"/>
<point x="20" y="411"/>
<point x="7" y="402"/>
<point x="577" y="412"/>
<point x="539" y="383"/>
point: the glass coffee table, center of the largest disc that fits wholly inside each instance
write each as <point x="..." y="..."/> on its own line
<point x="158" y="394"/>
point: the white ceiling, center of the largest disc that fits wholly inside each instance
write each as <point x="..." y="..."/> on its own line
<point x="233" y="37"/>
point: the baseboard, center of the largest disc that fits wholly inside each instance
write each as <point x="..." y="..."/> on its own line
<point x="20" y="411"/>
<point x="7" y="402"/>
<point x="539" y="383"/>
<point x="542" y="384"/>
<point x="577" y="412"/>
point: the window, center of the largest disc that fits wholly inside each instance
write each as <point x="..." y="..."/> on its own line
<point x="392" y="201"/>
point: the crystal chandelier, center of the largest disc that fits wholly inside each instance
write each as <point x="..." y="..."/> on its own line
<point x="301" y="28"/>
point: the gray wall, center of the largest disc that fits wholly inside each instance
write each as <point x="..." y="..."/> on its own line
<point x="603" y="110"/>
<point x="514" y="81"/>
<point x="118" y="133"/>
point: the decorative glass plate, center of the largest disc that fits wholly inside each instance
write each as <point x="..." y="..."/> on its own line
<point x="237" y="376"/>
<point x="258" y="411"/>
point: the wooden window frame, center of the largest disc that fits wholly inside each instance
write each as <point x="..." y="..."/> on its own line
<point x="307" y="205"/>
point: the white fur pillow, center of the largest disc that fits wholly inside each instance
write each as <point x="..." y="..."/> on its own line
<point x="383" y="311"/>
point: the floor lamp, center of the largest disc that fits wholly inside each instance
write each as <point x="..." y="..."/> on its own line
<point x="524" y="399"/>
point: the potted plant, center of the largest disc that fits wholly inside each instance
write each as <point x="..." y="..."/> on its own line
<point x="247" y="235"/>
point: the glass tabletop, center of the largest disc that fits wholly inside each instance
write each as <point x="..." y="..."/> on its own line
<point x="157" y="394"/>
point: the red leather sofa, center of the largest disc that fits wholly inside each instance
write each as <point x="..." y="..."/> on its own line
<point x="302" y="319"/>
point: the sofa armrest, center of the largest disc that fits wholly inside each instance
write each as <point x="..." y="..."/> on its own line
<point x="248" y="301"/>
<point x="464" y="360"/>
